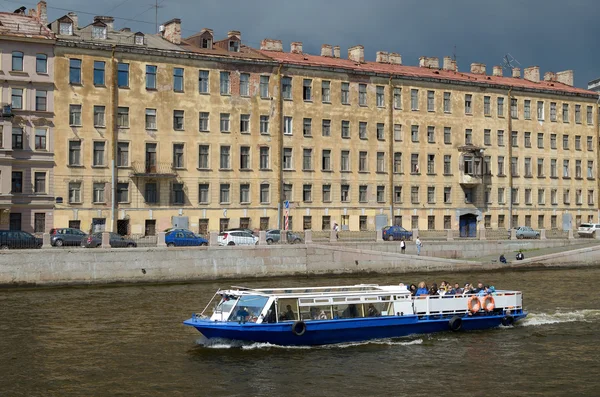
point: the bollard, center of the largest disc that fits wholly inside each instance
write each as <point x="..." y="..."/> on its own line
<point x="213" y="239"/>
<point x="543" y="234"/>
<point x="46" y="241"/>
<point x="379" y="236"/>
<point x="105" y="240"/>
<point x="160" y="242"/>
<point x="513" y="234"/>
<point x="482" y="234"/>
<point x="571" y="236"/>
<point x="283" y="237"/>
<point x="333" y="236"/>
<point x="415" y="234"/>
<point x="262" y="237"/>
<point x="308" y="237"/>
<point x="450" y="235"/>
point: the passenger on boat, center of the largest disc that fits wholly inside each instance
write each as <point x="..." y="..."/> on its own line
<point x="413" y="289"/>
<point x="350" y="312"/>
<point x="322" y="315"/>
<point x="457" y="289"/>
<point x="422" y="290"/>
<point x="372" y="312"/>
<point x="434" y="289"/>
<point x="289" y="314"/>
<point x="314" y="313"/>
<point x="450" y="290"/>
<point x="478" y="289"/>
<point x="468" y="289"/>
<point x="242" y="314"/>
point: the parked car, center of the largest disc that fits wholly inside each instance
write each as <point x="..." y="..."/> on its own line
<point x="391" y="233"/>
<point x="526" y="232"/>
<point x="236" y="237"/>
<point x="94" y="240"/>
<point x="588" y="229"/>
<point x="241" y="229"/>
<point x="184" y="238"/>
<point x="274" y="235"/>
<point x="66" y="236"/>
<point x="16" y="239"/>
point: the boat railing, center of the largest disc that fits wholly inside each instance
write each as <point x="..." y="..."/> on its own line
<point x="450" y="304"/>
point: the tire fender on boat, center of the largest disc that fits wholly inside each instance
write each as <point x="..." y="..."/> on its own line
<point x="489" y="304"/>
<point x="455" y="323"/>
<point x="474" y="304"/>
<point x="299" y="328"/>
<point x="507" y="321"/>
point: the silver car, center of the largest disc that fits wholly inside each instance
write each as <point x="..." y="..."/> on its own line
<point x="526" y="232"/>
<point x="66" y="236"/>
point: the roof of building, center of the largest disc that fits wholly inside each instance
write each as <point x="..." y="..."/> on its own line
<point x="246" y="52"/>
<point x="20" y="25"/>
<point x="420" y="72"/>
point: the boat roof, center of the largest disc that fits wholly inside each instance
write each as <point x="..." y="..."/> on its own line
<point x="342" y="290"/>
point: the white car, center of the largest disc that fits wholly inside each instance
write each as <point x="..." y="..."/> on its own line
<point x="588" y="229"/>
<point x="237" y="237"/>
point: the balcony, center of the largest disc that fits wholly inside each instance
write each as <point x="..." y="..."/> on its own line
<point x="6" y="111"/>
<point x="160" y="169"/>
<point x="467" y="179"/>
<point x="471" y="165"/>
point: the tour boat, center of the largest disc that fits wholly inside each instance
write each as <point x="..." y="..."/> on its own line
<point x="328" y="315"/>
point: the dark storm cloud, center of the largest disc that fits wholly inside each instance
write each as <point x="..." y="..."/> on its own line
<point x="553" y="34"/>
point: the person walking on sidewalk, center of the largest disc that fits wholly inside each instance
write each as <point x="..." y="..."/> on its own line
<point x="419" y="245"/>
<point x="402" y="245"/>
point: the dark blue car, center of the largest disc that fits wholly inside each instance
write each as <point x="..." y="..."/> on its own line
<point x="184" y="238"/>
<point x="391" y="233"/>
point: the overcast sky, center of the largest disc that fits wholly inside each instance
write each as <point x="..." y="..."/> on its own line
<point x="552" y="34"/>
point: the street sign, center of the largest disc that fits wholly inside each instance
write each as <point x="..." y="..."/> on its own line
<point x="286" y="204"/>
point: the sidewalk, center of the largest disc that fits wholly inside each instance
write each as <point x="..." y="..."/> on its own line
<point x="510" y="255"/>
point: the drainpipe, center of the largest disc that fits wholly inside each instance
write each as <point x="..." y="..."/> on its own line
<point x="280" y="221"/>
<point x="510" y="179"/>
<point x="113" y="152"/>
<point x="391" y="151"/>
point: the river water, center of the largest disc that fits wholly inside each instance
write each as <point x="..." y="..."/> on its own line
<point x="129" y="341"/>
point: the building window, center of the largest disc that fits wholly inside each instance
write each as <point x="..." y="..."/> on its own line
<point x="178" y="79"/>
<point x="264" y="87"/>
<point x="264" y="193"/>
<point x="528" y="196"/>
<point x="326" y="91"/>
<point x="500" y="134"/>
<point x="362" y="223"/>
<point x="381" y="194"/>
<point x="590" y="169"/>
<point x="554" y="197"/>
<point x="362" y="194"/>
<point x="224" y="122"/>
<point x="501" y="166"/>
<point x="381" y="162"/>
<point x="540" y="110"/>
<point x="527" y="139"/>
<point x="123" y="154"/>
<point x="414" y="221"/>
<point x="287" y="125"/>
<point x="431" y="194"/>
<point x="565" y="142"/>
<point x="468" y="136"/>
<point x="541" y="196"/>
<point x="224" y="161"/>
<point x="287" y="191"/>
<point x="99" y="149"/>
<point x="264" y="124"/>
<point x="150" y="77"/>
<point x="307" y="160"/>
<point x="244" y="123"/>
<point x="74" y="192"/>
<point x="203" y="83"/>
<point x="123" y="75"/>
<point x="224" y="83"/>
<point x="40" y="139"/>
<point x="553" y="171"/>
<point x="362" y="130"/>
<point x="74" y="153"/>
<point x="527" y="109"/>
<point x="577" y="142"/>
<point x="363" y="162"/>
<point x="17" y="98"/>
<point x="151" y="157"/>
<point x="566" y="196"/>
<point x="430" y="101"/>
<point x="39" y="184"/>
<point x="552" y="141"/>
<point x="245" y="158"/>
<point x="447" y="135"/>
<point x="565" y="112"/>
<point x="99" y="68"/>
<point x="397" y="194"/>
<point x="75" y="115"/>
<point x="287" y="159"/>
<point x="540" y="140"/>
<point x="326" y="127"/>
<point x="151" y="119"/>
<point x="414" y="99"/>
<point x="431" y="134"/>
<point x="326" y="160"/>
<point x="234" y="46"/>
<point x="224" y="193"/>
<point x="345" y="161"/>
<point x="98" y="32"/>
<point x="65" y="28"/>
<point x="123" y="192"/>
<point x="307" y="193"/>
<point x="578" y="169"/>
<point x="203" y="193"/>
<point x="540" y="168"/>
<point x="414" y="194"/>
<point x="345" y="94"/>
<point x="514" y="139"/>
<point x="17" y="61"/>
<point x="244" y="84"/>
<point x="345" y="129"/>
<point x="203" y="153"/>
<point x="397" y="98"/>
<point x="578" y="114"/>
<point x="41" y="63"/>
<point x="414" y="163"/>
<point x="552" y="111"/>
<point x="381" y="131"/>
<point x="447" y="103"/>
<point x="397" y="163"/>
<point x="514" y="166"/>
<point x="40" y="100"/>
<point x="431" y="164"/>
<point x="447" y="195"/>
<point x="178" y="155"/>
<point x="286" y="87"/>
<point x="307" y="127"/>
<point x="398" y="132"/>
<point x="500" y="103"/>
<point x="414" y="133"/>
<point x="515" y="197"/>
<point x="468" y="108"/>
<point x="264" y="158"/>
<point x="500" y="221"/>
<point x="590" y="197"/>
<point x="447" y="164"/>
<point x="123" y="117"/>
<point x="98" y="196"/>
<point x="566" y="169"/>
<point x="590" y="143"/>
<point x="514" y="110"/>
<point x="178" y="195"/>
<point x="589" y="116"/>
<point x="380" y="95"/>
<point x="307" y="90"/>
<point x="17" y="182"/>
<point x="138" y="39"/>
<point x="431" y="222"/>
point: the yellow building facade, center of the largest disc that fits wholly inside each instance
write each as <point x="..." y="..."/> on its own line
<point x="212" y="135"/>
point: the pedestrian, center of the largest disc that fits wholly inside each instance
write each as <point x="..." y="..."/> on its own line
<point x="336" y="228"/>
<point x="402" y="246"/>
<point x="419" y="245"/>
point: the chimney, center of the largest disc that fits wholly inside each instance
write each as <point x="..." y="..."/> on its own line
<point x="75" y="20"/>
<point x="395" y="58"/>
<point x="454" y="65"/>
<point x="549" y="76"/>
<point x="497" y="71"/>
<point x="565" y="77"/>
<point x="326" y="50"/>
<point x="108" y="21"/>
<point x="447" y="64"/>
<point x="532" y="73"/>
<point x="336" y="51"/>
<point x="236" y="33"/>
<point x="172" y="31"/>
<point x="383" y="57"/>
<point x="356" y="53"/>
<point x="126" y="30"/>
<point x="271" y="45"/>
<point x="516" y="72"/>
<point x="296" y="47"/>
<point x="429" y="62"/>
<point x="478" y="68"/>
<point x="42" y="14"/>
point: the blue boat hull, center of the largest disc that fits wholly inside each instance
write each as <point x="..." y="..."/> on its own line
<point x="341" y="331"/>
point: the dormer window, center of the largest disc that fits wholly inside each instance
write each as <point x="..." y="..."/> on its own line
<point x="139" y="39"/>
<point x="234" y="46"/>
<point x="206" y="43"/>
<point x="66" y="28"/>
<point x="99" y="32"/>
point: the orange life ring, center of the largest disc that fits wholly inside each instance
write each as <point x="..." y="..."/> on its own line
<point x="474" y="304"/>
<point x="489" y="304"/>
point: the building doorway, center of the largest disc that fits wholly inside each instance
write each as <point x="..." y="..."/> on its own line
<point x="468" y="225"/>
<point x="150" y="229"/>
<point x="123" y="227"/>
<point x="15" y="221"/>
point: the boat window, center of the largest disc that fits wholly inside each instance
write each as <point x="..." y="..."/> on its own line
<point x="315" y="312"/>
<point x="226" y="304"/>
<point x="377" y="309"/>
<point x="287" y="309"/>
<point x="248" y="308"/>
<point x="348" y="311"/>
